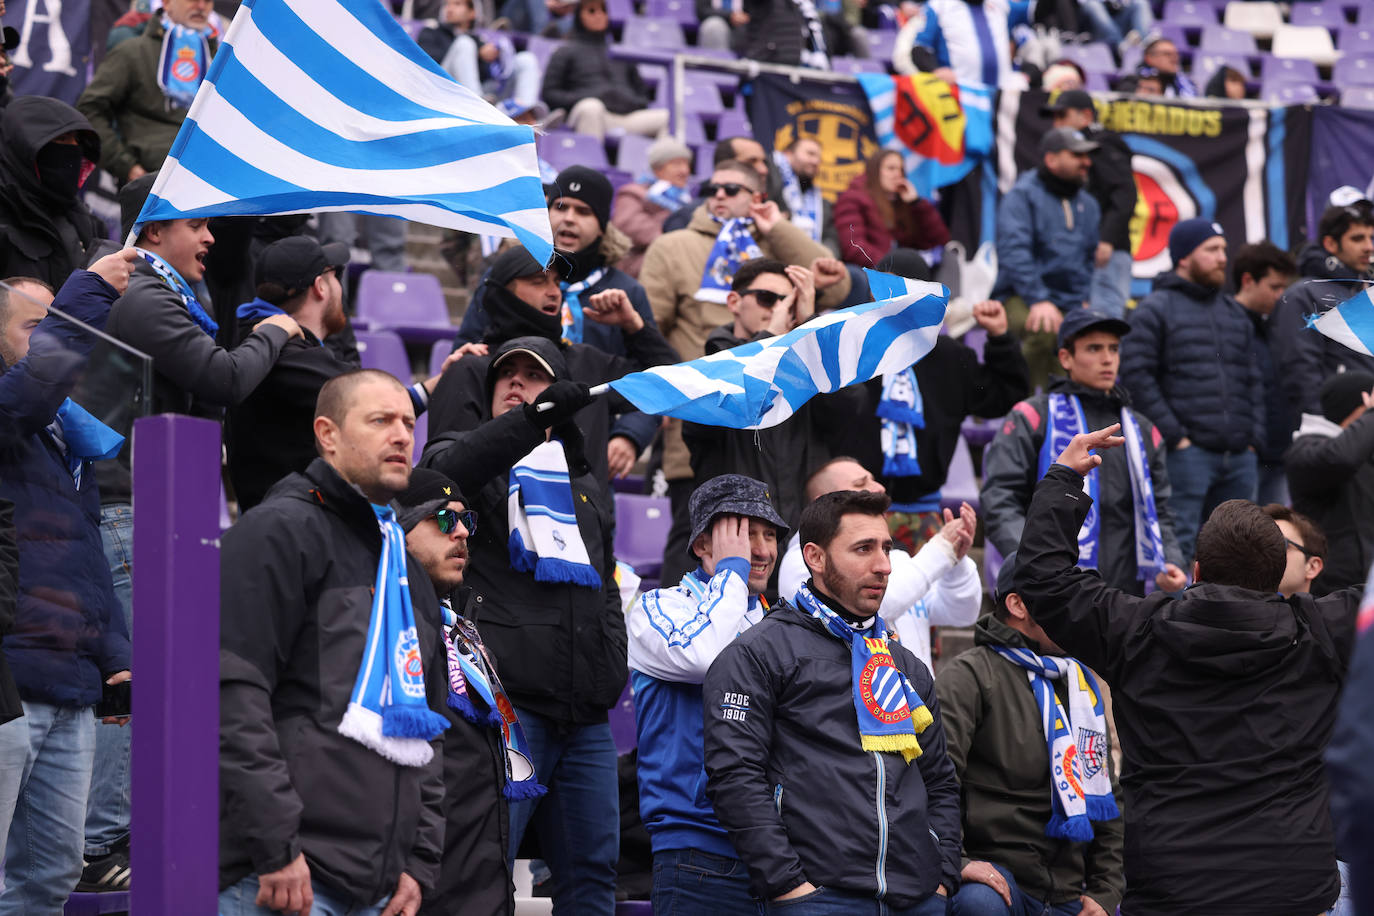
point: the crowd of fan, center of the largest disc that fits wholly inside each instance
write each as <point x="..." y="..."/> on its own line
<point x="1139" y="728"/>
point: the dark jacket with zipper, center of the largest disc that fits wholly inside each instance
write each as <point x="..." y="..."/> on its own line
<point x="1225" y="699"/>
<point x="801" y="799"/>
<point x="1190" y="366"/>
<point x="561" y="648"/>
<point x="68" y="632"/>
<point x="1278" y="433"/>
<point x="584" y="69"/>
<point x="1047" y="234"/>
<point x="10" y="705"/>
<point x="1331" y="476"/>
<point x="994" y="735"/>
<point x="296" y="590"/>
<point x="1013" y="457"/>
<point x="1111" y="181"/>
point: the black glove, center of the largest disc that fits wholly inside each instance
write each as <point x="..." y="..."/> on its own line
<point x="567" y="398"/>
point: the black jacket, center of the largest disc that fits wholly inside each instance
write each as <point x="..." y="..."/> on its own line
<point x="296" y="583"/>
<point x="583" y="68"/>
<point x="1189" y="365"/>
<point x="1278" y="433"/>
<point x="776" y="33"/>
<point x="1304" y="357"/>
<point x="42" y="233"/>
<point x="1112" y="181"/>
<point x="10" y="706"/>
<point x="1225" y="699"/>
<point x="792" y="785"/>
<point x="954" y="386"/>
<point x="1331" y="476"/>
<point x="782" y="456"/>
<point x="561" y="648"/>
<point x="1009" y="475"/>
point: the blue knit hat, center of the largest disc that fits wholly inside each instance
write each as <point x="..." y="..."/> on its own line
<point x="1186" y="236"/>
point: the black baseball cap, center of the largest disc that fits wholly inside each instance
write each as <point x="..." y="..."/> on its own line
<point x="293" y="263"/>
<point x="1080" y="320"/>
<point x="1065" y="138"/>
<point x="1069" y="100"/>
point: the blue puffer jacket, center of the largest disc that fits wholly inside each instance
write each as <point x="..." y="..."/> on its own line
<point x="1046" y="243"/>
<point x="1190" y="366"/>
<point x="69" y="633"/>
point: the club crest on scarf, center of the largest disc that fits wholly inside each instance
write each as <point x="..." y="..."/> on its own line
<point x="411" y="680"/>
<point x="733" y="246"/>
<point x="880" y="685"/>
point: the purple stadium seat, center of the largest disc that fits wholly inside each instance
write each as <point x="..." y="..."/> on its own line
<point x="1204" y="65"/>
<point x="1094" y="57"/>
<point x="413" y="27"/>
<point x="733" y="124"/>
<point x="1097" y="82"/>
<point x="1359" y="97"/>
<point x="1176" y="33"/>
<point x="619" y="11"/>
<point x="1276" y="70"/>
<point x="1131" y="57"/>
<point x="1353" y="71"/>
<point x="1189" y="13"/>
<point x="437" y="354"/>
<point x="1355" y="39"/>
<point x="617" y="177"/>
<point x="1285" y="93"/>
<point x="542" y="48"/>
<point x="856" y="65"/>
<point x="705" y="164"/>
<point x="961" y="485"/>
<point x="694" y="129"/>
<point x="562" y="148"/>
<point x="623" y="722"/>
<point x="992" y="565"/>
<point x="383" y="350"/>
<point x="633" y="155"/>
<point x="881" y="43"/>
<point x="1326" y="15"/>
<point x="1220" y="39"/>
<point x="643" y="32"/>
<point x="641" y="531"/>
<point x="683" y="12"/>
<point x="630" y="483"/>
<point x="421" y="436"/>
<point x="96" y="904"/>
<point x="701" y="97"/>
<point x="412" y="305"/>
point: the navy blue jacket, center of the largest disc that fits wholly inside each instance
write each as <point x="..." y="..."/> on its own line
<point x="1190" y="366"/>
<point x="69" y="632"/>
<point x="1351" y="776"/>
<point x="1046" y="243"/>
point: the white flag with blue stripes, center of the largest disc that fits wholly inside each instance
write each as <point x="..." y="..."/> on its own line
<point x="761" y="384"/>
<point x="329" y="105"/>
<point x="1350" y="323"/>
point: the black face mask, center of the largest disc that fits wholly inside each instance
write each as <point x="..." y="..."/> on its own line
<point x="59" y="168"/>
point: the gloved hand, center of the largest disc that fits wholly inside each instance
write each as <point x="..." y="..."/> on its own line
<point x="567" y="398"/>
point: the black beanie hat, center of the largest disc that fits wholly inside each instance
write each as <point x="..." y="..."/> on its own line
<point x="1344" y="392"/>
<point x="428" y="492"/>
<point x="588" y="186"/>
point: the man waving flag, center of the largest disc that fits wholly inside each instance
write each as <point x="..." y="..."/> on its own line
<point x="329" y="105"/>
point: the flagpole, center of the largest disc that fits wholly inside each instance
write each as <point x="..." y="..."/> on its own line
<point x="595" y="391"/>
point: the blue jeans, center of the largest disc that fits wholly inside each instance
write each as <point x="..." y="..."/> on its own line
<point x="578" y="822"/>
<point x="976" y="899"/>
<point x="1200" y="480"/>
<point x="14" y="750"/>
<point x="107" y="811"/>
<point x="827" y="902"/>
<point x="522" y="84"/>
<point x="1111" y="25"/>
<point x="237" y="900"/>
<point x="689" y="882"/>
<point x="1111" y="285"/>
<point x="43" y="857"/>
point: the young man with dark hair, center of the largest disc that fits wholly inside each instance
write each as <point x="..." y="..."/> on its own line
<point x="825" y="754"/>
<point x="1226" y="799"/>
<point x="1129" y="536"/>
<point x="1334" y="268"/>
<point x="1259" y="274"/>
<point x="1306" y="548"/>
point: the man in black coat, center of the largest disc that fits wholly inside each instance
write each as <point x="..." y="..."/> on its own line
<point x="1225" y="698"/>
<point x="307" y="812"/>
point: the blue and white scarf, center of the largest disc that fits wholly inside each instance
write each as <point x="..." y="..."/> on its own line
<point x="814" y="53"/>
<point x="472" y="681"/>
<point x="388" y="711"/>
<point x="734" y="245"/>
<point x="808" y="207"/>
<point x="1076" y="741"/>
<point x="83" y="438"/>
<point x="572" y="304"/>
<point x="183" y="289"/>
<point x="891" y="713"/>
<point x="182" y="64"/>
<point x="544" y="538"/>
<point x="1065" y="421"/>
<point x="903" y="412"/>
<point x="664" y="193"/>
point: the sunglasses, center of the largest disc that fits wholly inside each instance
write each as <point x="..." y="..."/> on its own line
<point x="765" y="297"/>
<point x="1303" y="550"/>
<point x="730" y="188"/>
<point x="448" y="520"/>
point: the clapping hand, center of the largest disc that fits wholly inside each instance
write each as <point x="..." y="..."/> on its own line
<point x="959" y="530"/>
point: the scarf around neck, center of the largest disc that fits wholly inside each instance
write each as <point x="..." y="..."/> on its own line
<point x="573" y="321"/>
<point x="182" y="63"/>
<point x="902" y="411"/>
<point x="733" y="246"/>
<point x="1076" y="740"/>
<point x="891" y="713"/>
<point x="807" y="206"/>
<point x="388" y="711"/>
<point x="1064" y="421"/>
<point x="509" y="318"/>
<point x="476" y="694"/>
<point x="664" y="193"/>
<point x="814" y="54"/>
<point x="169" y="275"/>
<point x="544" y="538"/>
<point x="84" y="438"/>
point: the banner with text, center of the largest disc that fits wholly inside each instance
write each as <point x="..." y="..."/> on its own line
<point x="54" y="47"/>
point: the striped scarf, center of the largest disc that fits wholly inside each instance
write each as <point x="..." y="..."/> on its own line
<point x="891" y="713"/>
<point x="572" y="304"/>
<point x="808" y="207"/>
<point x="903" y="412"/>
<point x="734" y="245"/>
<point x="182" y="63"/>
<point x="544" y="538"/>
<point x="169" y="275"/>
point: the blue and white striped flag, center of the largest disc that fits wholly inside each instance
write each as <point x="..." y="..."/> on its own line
<point x="329" y="105"/>
<point x="1350" y="323"/>
<point x="761" y="384"/>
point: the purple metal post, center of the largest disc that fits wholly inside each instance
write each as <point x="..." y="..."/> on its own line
<point x="176" y="666"/>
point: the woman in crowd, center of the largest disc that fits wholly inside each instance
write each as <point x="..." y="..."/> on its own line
<point x="881" y="211"/>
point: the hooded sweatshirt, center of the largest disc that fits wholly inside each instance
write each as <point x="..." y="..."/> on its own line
<point x="583" y="69"/>
<point x="1331" y="476"/>
<point x="47" y="231"/>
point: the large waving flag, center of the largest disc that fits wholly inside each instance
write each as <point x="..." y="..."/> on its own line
<point x="1350" y="323"/>
<point x="761" y="384"/>
<point x="329" y="105"/>
<point x="942" y="131"/>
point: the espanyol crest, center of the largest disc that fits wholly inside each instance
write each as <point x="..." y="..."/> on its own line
<point x="410" y="670"/>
